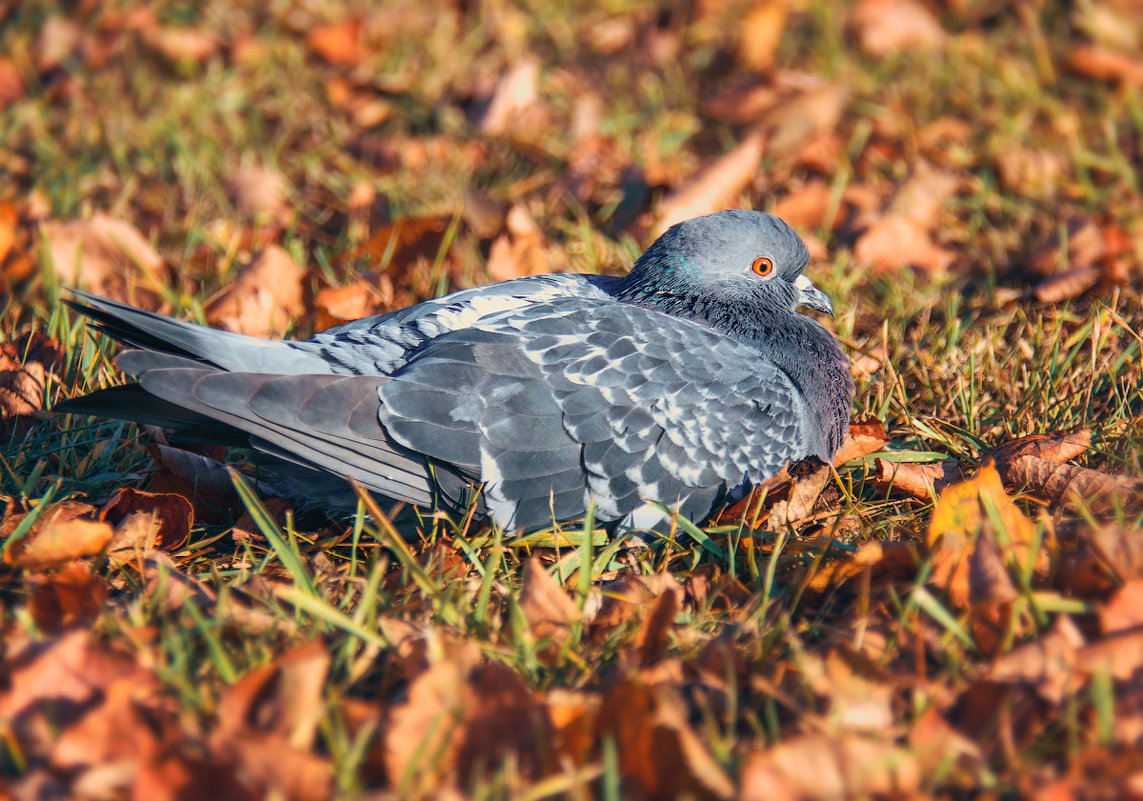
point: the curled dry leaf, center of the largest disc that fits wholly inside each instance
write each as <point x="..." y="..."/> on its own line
<point x="203" y="481"/>
<point x="925" y="194"/>
<point x="1053" y="447"/>
<point x="146" y="520"/>
<point x="885" y="27"/>
<point x="1031" y="172"/>
<point x="922" y="480"/>
<point x="1073" y="486"/>
<point x="714" y="186"/>
<point x="814" y="110"/>
<point x="60" y="535"/>
<point x="399" y="245"/>
<point x="263" y="298"/>
<point x="108" y="256"/>
<point x="24" y="368"/>
<point x="59" y="37"/>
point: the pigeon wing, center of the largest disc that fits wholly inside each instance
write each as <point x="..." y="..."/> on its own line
<point x="576" y="399"/>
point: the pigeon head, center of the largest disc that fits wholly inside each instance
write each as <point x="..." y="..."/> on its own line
<point x="731" y="260"/>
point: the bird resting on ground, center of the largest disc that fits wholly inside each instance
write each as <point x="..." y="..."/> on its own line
<point x="680" y="384"/>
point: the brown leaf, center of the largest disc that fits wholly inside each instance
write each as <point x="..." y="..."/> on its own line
<point x="203" y="481"/>
<point x="863" y="438"/>
<point x="924" y="196"/>
<point x="172" y="514"/>
<point x="338" y="42"/>
<point x="545" y="604"/>
<point x="651" y="640"/>
<point x="1046" y="663"/>
<point x="522" y="250"/>
<point x="260" y="193"/>
<point x="59" y="536"/>
<point x="515" y="108"/>
<point x="58" y="39"/>
<point x="65" y="598"/>
<point x="1069" y="284"/>
<point x="263" y="298"/>
<point x="176" y="587"/>
<point x="335" y="305"/>
<point x="1124" y="610"/>
<point x="461" y="717"/>
<point x="1102" y="64"/>
<point x="885" y="27"/>
<point x="182" y="44"/>
<point x="818" y="766"/>
<point x="714" y="186"/>
<point x="282" y="698"/>
<point x="11" y="83"/>
<point x="805" y="207"/>
<point x="760" y="33"/>
<point x="1053" y="447"/>
<point x="742" y="101"/>
<point x="815" y="110"/>
<point x="895" y="242"/>
<point x="399" y="245"/>
<point x="806" y="485"/>
<point x="922" y="481"/>
<point x="1031" y="172"/>
<point x="24" y="367"/>
<point x="658" y="750"/>
<point x="7" y="210"/>
<point x="1074" y="486"/>
<point x="108" y="256"/>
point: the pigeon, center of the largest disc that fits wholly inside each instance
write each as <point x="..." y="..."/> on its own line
<point x="670" y="390"/>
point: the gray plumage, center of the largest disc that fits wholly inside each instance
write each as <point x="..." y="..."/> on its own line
<point x="682" y="383"/>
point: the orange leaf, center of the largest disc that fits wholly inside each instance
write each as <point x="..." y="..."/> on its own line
<point x="338" y="42"/>
<point x="263" y="298"/>
<point x="59" y="537"/>
<point x="714" y="186"/>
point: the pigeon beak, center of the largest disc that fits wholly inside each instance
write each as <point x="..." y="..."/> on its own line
<point x="809" y="295"/>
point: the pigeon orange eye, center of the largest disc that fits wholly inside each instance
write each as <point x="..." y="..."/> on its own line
<point x="763" y="266"/>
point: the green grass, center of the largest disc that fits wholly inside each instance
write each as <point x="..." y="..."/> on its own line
<point x="965" y="369"/>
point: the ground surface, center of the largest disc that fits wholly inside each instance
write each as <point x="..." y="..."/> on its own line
<point x="967" y="174"/>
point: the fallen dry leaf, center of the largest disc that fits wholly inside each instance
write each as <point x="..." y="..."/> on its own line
<point x="546" y="606"/>
<point x="714" y="186"/>
<point x="805" y="207"/>
<point x="109" y="257"/>
<point x="60" y="535"/>
<point x="24" y="368"/>
<point x="58" y="39"/>
<point x="1031" y="172"/>
<point x="1067" y="285"/>
<point x="144" y="521"/>
<point x="68" y="597"/>
<point x="399" y="245"/>
<point x="260" y="193"/>
<point x="182" y="44"/>
<point x="522" y="249"/>
<point x="799" y="502"/>
<point x="1073" y="486"/>
<point x="1102" y="64"/>
<point x="514" y="100"/>
<point x="7" y="222"/>
<point x="1124" y="610"/>
<point x="335" y="305"/>
<point x="262" y="299"/>
<point x="812" y="111"/>
<point x="922" y="481"/>
<point x="11" y="83"/>
<point x="1053" y="447"/>
<point x="760" y="33"/>
<point x="885" y="27"/>
<point x="863" y="438"/>
<point x="924" y="195"/>
<point x="338" y="42"/>
<point x="819" y="766"/>
<point x="658" y="749"/>
<point x="895" y="242"/>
